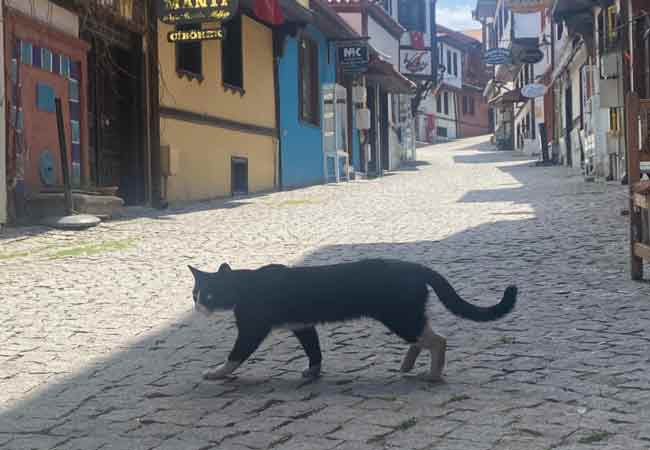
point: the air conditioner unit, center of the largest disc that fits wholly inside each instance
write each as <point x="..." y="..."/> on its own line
<point x="610" y="95"/>
<point x="611" y="64"/>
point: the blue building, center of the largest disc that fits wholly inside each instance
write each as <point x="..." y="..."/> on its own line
<point x="306" y="72"/>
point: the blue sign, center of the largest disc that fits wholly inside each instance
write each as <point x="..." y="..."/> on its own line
<point x="496" y="56"/>
<point x="353" y="57"/>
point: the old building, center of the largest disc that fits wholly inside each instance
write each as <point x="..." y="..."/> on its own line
<point x="458" y="108"/>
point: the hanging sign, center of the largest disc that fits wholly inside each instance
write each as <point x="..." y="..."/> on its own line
<point x="497" y="56"/>
<point x="178" y="36"/>
<point x="533" y="90"/>
<point x="415" y="62"/>
<point x="529" y="56"/>
<point x="353" y="57"/>
<point x="174" y="12"/>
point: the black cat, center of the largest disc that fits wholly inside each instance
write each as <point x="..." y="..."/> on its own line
<point x="392" y="292"/>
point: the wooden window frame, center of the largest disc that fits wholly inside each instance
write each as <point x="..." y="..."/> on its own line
<point x="230" y="86"/>
<point x="315" y="120"/>
<point x="181" y="72"/>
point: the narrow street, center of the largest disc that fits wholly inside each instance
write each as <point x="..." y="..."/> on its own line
<point x="99" y="348"/>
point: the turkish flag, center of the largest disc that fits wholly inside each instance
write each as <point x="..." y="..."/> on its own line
<point x="417" y="40"/>
<point x="269" y="11"/>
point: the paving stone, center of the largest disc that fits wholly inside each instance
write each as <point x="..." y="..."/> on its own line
<point x="108" y="342"/>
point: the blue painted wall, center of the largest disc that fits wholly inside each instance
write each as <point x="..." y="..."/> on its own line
<point x="302" y="143"/>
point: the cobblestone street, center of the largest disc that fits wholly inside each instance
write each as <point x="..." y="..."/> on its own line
<point x="99" y="348"/>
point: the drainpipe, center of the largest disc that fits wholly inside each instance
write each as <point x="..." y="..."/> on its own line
<point x="278" y="44"/>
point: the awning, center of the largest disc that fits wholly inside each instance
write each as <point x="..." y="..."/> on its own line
<point x="384" y="74"/>
<point x="292" y="11"/>
<point x="509" y="97"/>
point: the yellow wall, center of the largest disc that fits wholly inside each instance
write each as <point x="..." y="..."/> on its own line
<point x="203" y="162"/>
<point x="203" y="152"/>
<point x="257" y="106"/>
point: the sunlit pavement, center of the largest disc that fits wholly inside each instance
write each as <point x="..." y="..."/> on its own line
<point x="99" y="349"/>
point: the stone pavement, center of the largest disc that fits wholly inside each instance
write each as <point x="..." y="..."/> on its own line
<point x="98" y="349"/>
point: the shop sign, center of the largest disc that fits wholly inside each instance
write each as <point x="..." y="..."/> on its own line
<point x="415" y="62"/>
<point x="178" y="36"/>
<point x="498" y="56"/>
<point x="353" y="57"/>
<point x="533" y="90"/>
<point x="174" y="12"/>
<point x="529" y="56"/>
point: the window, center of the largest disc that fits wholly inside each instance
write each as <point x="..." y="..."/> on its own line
<point x="465" y="104"/>
<point x="446" y="102"/>
<point x="438" y="103"/>
<point x="455" y="64"/>
<point x="232" y="57"/>
<point x="449" y="67"/>
<point x="472" y="111"/>
<point x="412" y="15"/>
<point x="239" y="176"/>
<point x="560" y="30"/>
<point x="388" y="6"/>
<point x="309" y="95"/>
<point x="442" y="132"/>
<point x="188" y="55"/>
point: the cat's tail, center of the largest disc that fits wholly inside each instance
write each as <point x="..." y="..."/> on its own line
<point x="459" y="307"/>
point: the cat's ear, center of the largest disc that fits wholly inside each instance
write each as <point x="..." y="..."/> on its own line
<point x="195" y="272"/>
<point x="224" y="268"/>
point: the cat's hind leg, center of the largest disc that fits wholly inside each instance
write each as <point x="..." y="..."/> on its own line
<point x="411" y="356"/>
<point x="437" y="346"/>
<point x="308" y="338"/>
<point x="248" y="340"/>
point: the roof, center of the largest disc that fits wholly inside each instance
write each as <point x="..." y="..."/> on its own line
<point x="330" y="22"/>
<point x="476" y="33"/>
<point x="456" y="37"/>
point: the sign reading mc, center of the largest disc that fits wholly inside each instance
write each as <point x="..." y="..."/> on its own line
<point x="174" y="12"/>
<point x="353" y="57"/>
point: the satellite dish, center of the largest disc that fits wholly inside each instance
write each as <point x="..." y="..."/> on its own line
<point x="533" y="90"/>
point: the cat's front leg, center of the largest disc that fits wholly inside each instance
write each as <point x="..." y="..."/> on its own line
<point x="248" y="340"/>
<point x="222" y="371"/>
<point x="308" y="338"/>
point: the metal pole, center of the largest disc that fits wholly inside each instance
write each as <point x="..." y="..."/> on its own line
<point x="64" y="158"/>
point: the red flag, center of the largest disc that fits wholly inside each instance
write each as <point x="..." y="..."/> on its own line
<point x="417" y="40"/>
<point x="268" y="11"/>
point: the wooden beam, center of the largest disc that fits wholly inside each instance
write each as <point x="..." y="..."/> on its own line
<point x="632" y="106"/>
<point x="642" y="251"/>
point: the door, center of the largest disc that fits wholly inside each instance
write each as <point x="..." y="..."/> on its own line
<point x="116" y="113"/>
<point x="373" y="138"/>
<point x="568" y="106"/>
<point x="384" y="130"/>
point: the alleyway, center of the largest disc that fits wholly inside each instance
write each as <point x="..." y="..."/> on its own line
<point x="98" y="348"/>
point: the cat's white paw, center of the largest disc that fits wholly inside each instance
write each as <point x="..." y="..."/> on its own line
<point x="221" y="372"/>
<point x="312" y="372"/>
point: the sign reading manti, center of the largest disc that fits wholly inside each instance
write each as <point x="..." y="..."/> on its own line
<point x="174" y="12"/>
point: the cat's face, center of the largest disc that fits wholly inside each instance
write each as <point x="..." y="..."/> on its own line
<point x="211" y="292"/>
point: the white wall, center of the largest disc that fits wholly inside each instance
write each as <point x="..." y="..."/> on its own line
<point x="354" y="20"/>
<point x="449" y="77"/>
<point x="384" y="42"/>
<point x="3" y="169"/>
<point x="527" y="25"/>
<point x="47" y="12"/>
